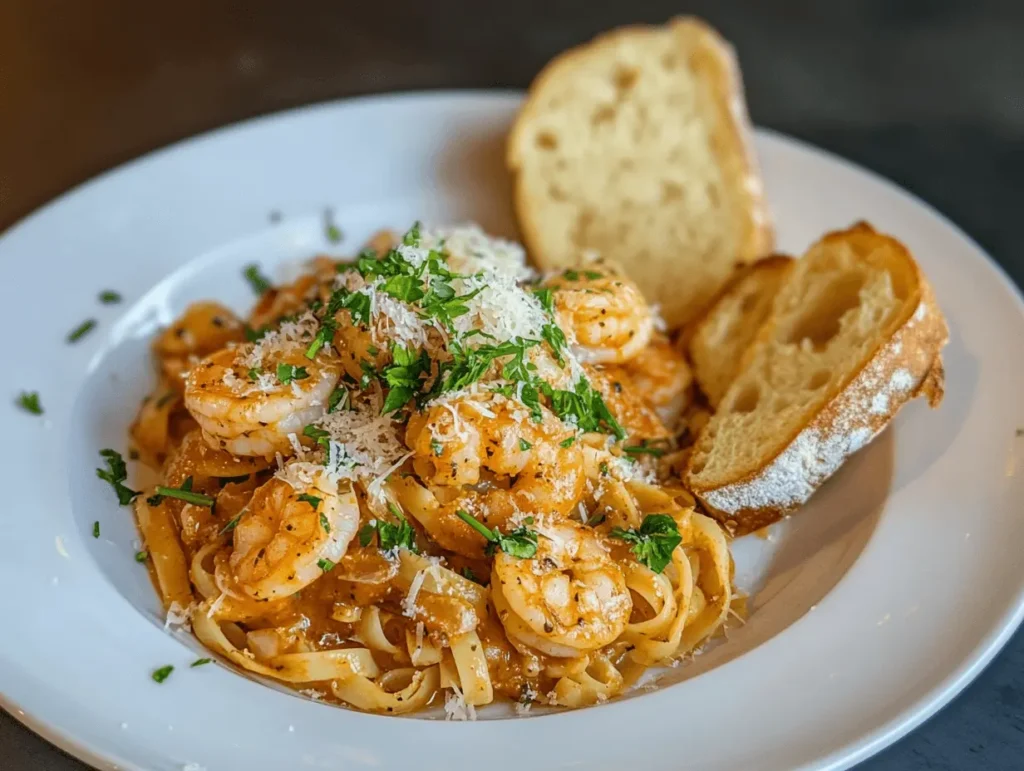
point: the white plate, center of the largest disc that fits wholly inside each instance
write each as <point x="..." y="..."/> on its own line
<point x="909" y="558"/>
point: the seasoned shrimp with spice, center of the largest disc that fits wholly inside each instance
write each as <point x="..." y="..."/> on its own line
<point x="570" y="598"/>
<point x="603" y="311"/>
<point x="278" y="302"/>
<point x="254" y="399"/>
<point x="661" y="376"/>
<point x="291" y="533"/>
<point x="486" y="454"/>
<point x="203" y="328"/>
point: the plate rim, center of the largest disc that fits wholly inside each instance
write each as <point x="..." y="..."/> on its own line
<point x="868" y="744"/>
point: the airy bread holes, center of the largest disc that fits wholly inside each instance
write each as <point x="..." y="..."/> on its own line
<point x="670" y="191"/>
<point x="625" y="78"/>
<point x="603" y="114"/>
<point x="747" y="399"/>
<point x="818" y="379"/>
<point x="555" y="193"/>
<point x="749" y="302"/>
<point x="547" y="141"/>
<point x="820" y="321"/>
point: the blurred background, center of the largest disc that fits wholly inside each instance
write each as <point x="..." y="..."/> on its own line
<point x="928" y="93"/>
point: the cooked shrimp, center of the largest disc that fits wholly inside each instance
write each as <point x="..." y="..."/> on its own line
<point x="663" y="378"/>
<point x="203" y="328"/>
<point x="251" y="411"/>
<point x="568" y="599"/>
<point x="284" y="542"/>
<point x="633" y="413"/>
<point x="485" y="454"/>
<point x="603" y="311"/>
<point x="295" y="297"/>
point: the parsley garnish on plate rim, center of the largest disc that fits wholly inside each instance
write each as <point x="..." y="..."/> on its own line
<point x="116" y="473"/>
<point x="81" y="330"/>
<point x="29" y="401"/>
<point x="259" y="283"/>
<point x="161" y="674"/>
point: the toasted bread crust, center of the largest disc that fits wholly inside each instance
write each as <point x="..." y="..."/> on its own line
<point x="907" y="365"/>
<point x="714" y="62"/>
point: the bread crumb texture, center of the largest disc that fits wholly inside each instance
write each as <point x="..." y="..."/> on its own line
<point x="854" y="334"/>
<point x="634" y="146"/>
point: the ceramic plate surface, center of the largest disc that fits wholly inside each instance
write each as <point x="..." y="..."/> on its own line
<point x="871" y="607"/>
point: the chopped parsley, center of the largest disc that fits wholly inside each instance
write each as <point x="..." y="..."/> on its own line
<point x="29" y="401"/>
<point x="81" y="330"/>
<point x="324" y="335"/>
<point x="318" y="435"/>
<point x="390" y="536"/>
<point x="331" y="230"/>
<point x="96" y="529"/>
<point x="200" y="663"/>
<point x="583" y="407"/>
<point x="312" y="500"/>
<point x="232" y="523"/>
<point x="256" y="279"/>
<point x="338" y="400"/>
<point x="254" y="374"/>
<point x="546" y="298"/>
<point x="468" y="365"/>
<point x="159" y="675"/>
<point x="403" y="377"/>
<point x="324" y="523"/>
<point x="567" y="442"/>
<point x="325" y="565"/>
<point x="469" y="575"/>
<point x="593" y="275"/>
<point x="437" y="448"/>
<point x="109" y="297"/>
<point x="356" y="303"/>
<point x="571" y="275"/>
<point x="524" y="445"/>
<point x="184" y="493"/>
<point x="554" y="337"/>
<point x="141" y="556"/>
<point x="521" y="542"/>
<point x="286" y="373"/>
<point x="116" y="473"/>
<point x="654" y="542"/>
<point x="643" y="449"/>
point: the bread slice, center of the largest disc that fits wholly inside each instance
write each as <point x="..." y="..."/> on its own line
<point x="635" y="145"/>
<point x="854" y="333"/>
<point x="724" y="332"/>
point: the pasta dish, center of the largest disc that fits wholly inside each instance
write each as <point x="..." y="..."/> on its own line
<point x="429" y="476"/>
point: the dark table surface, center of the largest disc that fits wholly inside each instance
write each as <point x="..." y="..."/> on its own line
<point x="930" y="94"/>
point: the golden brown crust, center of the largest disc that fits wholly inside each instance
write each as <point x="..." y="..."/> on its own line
<point x="905" y="366"/>
<point x="715" y="64"/>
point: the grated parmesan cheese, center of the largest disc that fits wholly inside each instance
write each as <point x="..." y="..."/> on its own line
<point x="409" y="603"/>
<point x="178" y="616"/>
<point x="455" y="706"/>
